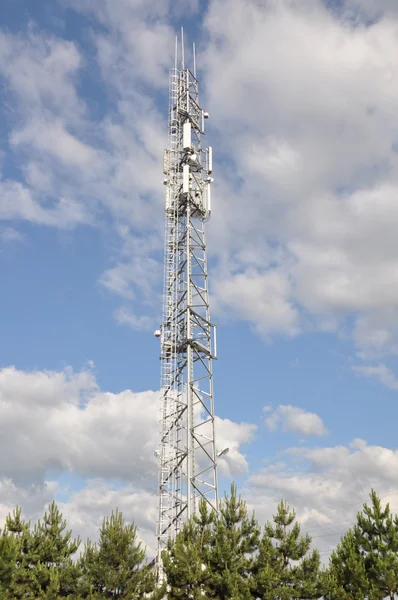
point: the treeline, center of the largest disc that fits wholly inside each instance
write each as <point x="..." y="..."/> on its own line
<point x="40" y="562"/>
<point x="224" y="557"/>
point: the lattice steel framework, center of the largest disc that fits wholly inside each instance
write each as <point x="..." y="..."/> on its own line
<point x="187" y="453"/>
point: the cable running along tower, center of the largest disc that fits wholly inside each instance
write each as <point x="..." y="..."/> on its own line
<point x="187" y="452"/>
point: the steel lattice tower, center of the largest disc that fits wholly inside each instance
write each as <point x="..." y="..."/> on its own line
<point x="187" y="453"/>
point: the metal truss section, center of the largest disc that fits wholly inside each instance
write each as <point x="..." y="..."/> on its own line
<point x="187" y="453"/>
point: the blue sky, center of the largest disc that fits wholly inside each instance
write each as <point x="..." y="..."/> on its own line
<point x="302" y="249"/>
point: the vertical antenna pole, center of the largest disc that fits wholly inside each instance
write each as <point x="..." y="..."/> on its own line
<point x="194" y="60"/>
<point x="182" y="50"/>
<point x="176" y="54"/>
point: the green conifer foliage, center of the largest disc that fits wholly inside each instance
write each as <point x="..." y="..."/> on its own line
<point x="53" y="550"/>
<point x="365" y="563"/>
<point x="43" y="557"/>
<point x="21" y="581"/>
<point x="348" y="579"/>
<point x="213" y="556"/>
<point x="230" y="557"/>
<point x="285" y="568"/>
<point x="185" y="560"/>
<point x="8" y="559"/>
<point x="115" y="568"/>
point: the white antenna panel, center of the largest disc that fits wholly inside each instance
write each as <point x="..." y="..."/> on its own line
<point x="208" y="197"/>
<point x="210" y="164"/>
<point x="168" y="203"/>
<point x="166" y="162"/>
<point x="185" y="179"/>
<point x="187" y="136"/>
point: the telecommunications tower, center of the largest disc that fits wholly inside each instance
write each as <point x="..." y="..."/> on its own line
<point x="187" y="452"/>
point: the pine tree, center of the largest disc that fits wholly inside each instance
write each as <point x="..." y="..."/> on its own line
<point x="9" y="551"/>
<point x="230" y="555"/>
<point x="347" y="578"/>
<point x="52" y="550"/>
<point x="21" y="579"/>
<point x="213" y="556"/>
<point x="44" y="567"/>
<point x="284" y="569"/>
<point x="377" y="535"/>
<point x="184" y="561"/>
<point x="365" y="563"/>
<point x="115" y="568"/>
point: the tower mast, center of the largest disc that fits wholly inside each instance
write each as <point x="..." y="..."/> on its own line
<point x="187" y="453"/>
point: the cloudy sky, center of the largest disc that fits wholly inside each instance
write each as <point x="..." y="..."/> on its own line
<point x="302" y="243"/>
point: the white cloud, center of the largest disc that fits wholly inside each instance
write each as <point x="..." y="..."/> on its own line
<point x="136" y="276"/>
<point x="63" y="153"/>
<point x="376" y="333"/>
<point x="260" y="298"/>
<point x="86" y="509"/>
<point x="139" y="323"/>
<point x="19" y="202"/>
<point x="55" y="139"/>
<point x="232" y="435"/>
<point x="327" y="487"/>
<point x="64" y="422"/>
<point x="138" y="40"/>
<point x="381" y="372"/>
<point x="312" y="137"/>
<point x="32" y="498"/>
<point x="141" y="274"/>
<point x="78" y="171"/>
<point x="41" y="72"/>
<point x="304" y="218"/>
<point x="40" y="80"/>
<point x="61" y="423"/>
<point x="10" y="235"/>
<point x="296" y="420"/>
